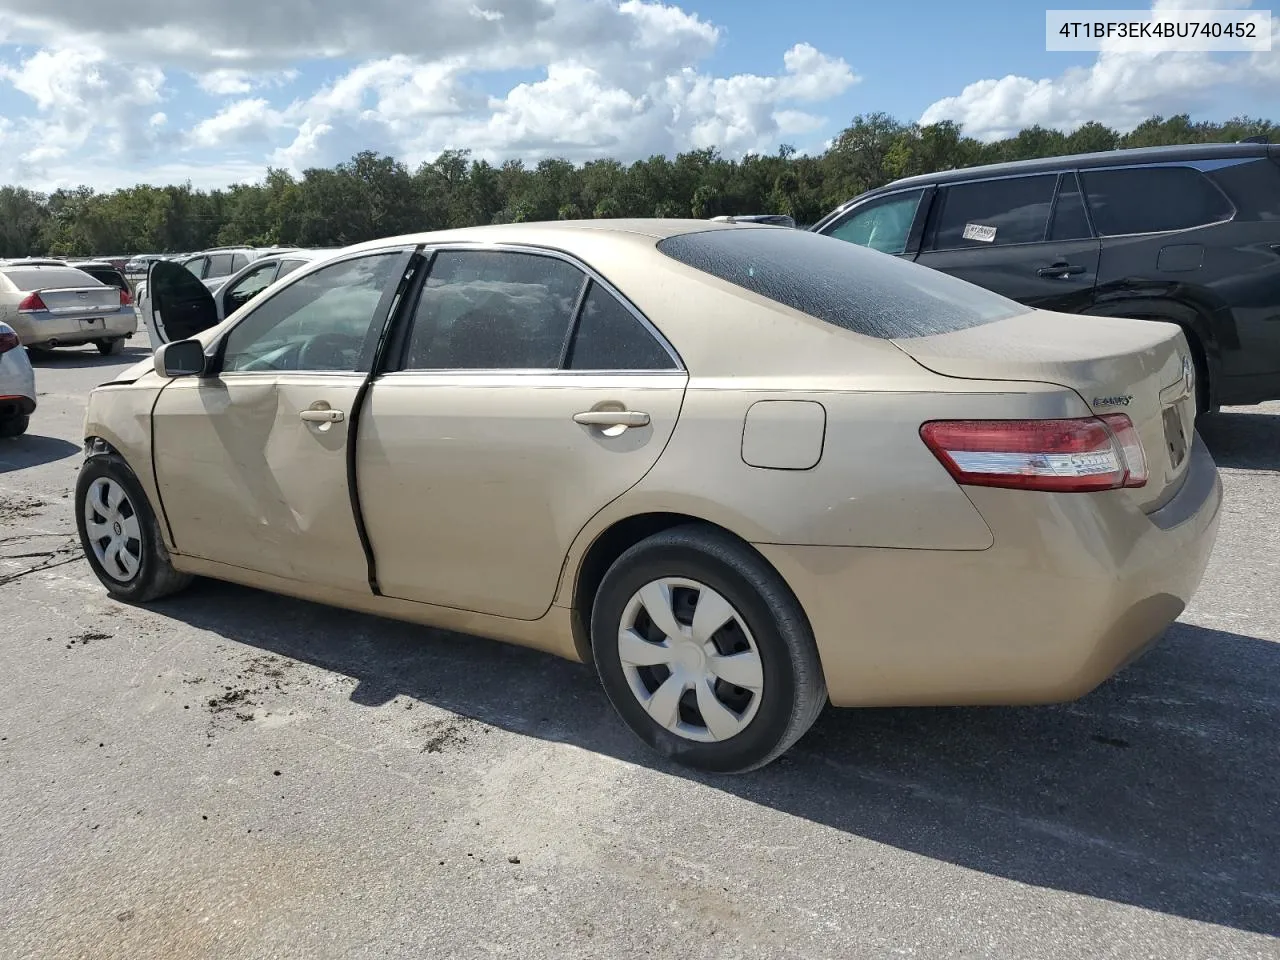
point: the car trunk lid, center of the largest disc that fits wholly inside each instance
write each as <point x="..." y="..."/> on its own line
<point x="1141" y="368"/>
<point x="86" y="301"/>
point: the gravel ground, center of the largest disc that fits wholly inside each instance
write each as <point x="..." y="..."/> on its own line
<point x="234" y="774"/>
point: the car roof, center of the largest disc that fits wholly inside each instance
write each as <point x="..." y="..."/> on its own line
<point x="1106" y="158"/>
<point x="97" y="264"/>
<point x="570" y="235"/>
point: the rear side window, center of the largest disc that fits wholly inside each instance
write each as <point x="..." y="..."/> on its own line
<point x="1152" y="200"/>
<point x="47" y="278"/>
<point x="611" y="337"/>
<point x="842" y="283"/>
<point x="220" y="265"/>
<point x="493" y="310"/>
<point x="238" y="262"/>
<point x="994" y="213"/>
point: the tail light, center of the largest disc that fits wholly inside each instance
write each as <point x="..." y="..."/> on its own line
<point x="31" y="303"/>
<point x="1065" y="456"/>
<point x="126" y="298"/>
<point x="8" y="341"/>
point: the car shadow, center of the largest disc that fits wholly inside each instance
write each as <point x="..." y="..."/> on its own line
<point x="70" y="358"/>
<point x="31" y="451"/>
<point x="1161" y="789"/>
<point x="1244" y="440"/>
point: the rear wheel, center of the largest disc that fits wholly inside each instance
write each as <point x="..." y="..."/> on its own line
<point x="109" y="348"/>
<point x="14" y="426"/>
<point x="705" y="652"/>
<point x="120" y="535"/>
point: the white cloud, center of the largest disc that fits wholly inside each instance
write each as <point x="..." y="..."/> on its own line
<point x="607" y="78"/>
<point x="1119" y="89"/>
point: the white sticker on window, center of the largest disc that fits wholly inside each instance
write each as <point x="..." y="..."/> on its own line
<point x="976" y="231"/>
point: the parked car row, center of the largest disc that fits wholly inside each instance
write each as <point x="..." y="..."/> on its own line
<point x="55" y="303"/>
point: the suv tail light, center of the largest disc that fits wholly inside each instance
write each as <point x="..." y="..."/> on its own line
<point x="1064" y="456"/>
<point x="8" y="341"/>
<point x="31" y="303"/>
<point x="126" y="298"/>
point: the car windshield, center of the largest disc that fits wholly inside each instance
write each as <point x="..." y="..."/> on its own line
<point x="45" y="278"/>
<point x="870" y="293"/>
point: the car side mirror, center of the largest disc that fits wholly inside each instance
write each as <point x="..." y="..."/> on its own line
<point x="182" y="358"/>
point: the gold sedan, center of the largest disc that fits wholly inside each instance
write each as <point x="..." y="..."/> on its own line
<point x="745" y="470"/>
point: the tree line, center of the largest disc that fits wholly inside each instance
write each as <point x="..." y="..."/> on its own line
<point x="373" y="196"/>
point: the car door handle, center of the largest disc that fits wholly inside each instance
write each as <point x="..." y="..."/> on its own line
<point x="612" y="418"/>
<point x="1060" y="270"/>
<point x="322" y="416"/>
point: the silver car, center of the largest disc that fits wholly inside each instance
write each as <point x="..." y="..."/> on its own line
<point x="234" y="293"/>
<point x="17" y="384"/>
<point x="57" y="306"/>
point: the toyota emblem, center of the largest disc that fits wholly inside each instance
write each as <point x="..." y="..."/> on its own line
<point x="1188" y="375"/>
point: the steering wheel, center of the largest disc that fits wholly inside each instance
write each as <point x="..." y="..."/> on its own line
<point x="328" y="351"/>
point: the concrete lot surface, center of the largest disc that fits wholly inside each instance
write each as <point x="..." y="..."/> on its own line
<point x="233" y="774"/>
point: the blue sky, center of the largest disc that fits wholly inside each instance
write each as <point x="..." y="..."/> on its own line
<point x="214" y="93"/>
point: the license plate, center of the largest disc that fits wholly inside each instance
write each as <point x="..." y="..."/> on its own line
<point x="1175" y="436"/>
<point x="97" y="323"/>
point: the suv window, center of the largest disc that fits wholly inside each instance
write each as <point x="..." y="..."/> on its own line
<point x="1069" y="220"/>
<point x="238" y="262"/>
<point x="882" y="224"/>
<point x="611" y="337"/>
<point x="1152" y="200"/>
<point x="288" y="266"/>
<point x="493" y="310"/>
<point x="993" y="213"/>
<point x="220" y="265"/>
<point x="842" y="283"/>
<point x="250" y="285"/>
<point x="322" y="322"/>
<point x="196" y="266"/>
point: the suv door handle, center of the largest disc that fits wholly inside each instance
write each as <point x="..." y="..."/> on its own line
<point x="612" y="418"/>
<point x="1060" y="270"/>
<point x="322" y="416"/>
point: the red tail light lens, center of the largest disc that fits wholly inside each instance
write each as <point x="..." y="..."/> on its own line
<point x="8" y="341"/>
<point x="1064" y="456"/>
<point x="1135" y="457"/>
<point x="126" y="298"/>
<point x="31" y="303"/>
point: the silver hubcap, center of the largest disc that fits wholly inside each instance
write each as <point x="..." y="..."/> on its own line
<point x="112" y="526"/>
<point x="690" y="660"/>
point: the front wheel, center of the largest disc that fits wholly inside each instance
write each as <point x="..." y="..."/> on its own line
<point x="705" y="652"/>
<point x="110" y="348"/>
<point x="120" y="535"/>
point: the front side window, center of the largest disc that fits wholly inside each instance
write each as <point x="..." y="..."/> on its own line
<point x="250" y="285"/>
<point x="220" y="265"/>
<point x="493" y="310"/>
<point x="611" y="337"/>
<point x="1152" y="200"/>
<point x="883" y="224"/>
<point x="288" y="266"/>
<point x="324" y="322"/>
<point x="197" y="266"/>
<point x="994" y="213"/>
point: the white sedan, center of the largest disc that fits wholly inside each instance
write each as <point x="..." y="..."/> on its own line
<point x="17" y="384"/>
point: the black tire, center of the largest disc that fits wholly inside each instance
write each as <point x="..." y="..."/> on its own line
<point x="110" y="348"/>
<point x="155" y="576"/>
<point x="794" y="690"/>
<point x="15" y="426"/>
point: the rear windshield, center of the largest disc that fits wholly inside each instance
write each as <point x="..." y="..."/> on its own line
<point x="108" y="276"/>
<point x="42" y="278"/>
<point x="862" y="290"/>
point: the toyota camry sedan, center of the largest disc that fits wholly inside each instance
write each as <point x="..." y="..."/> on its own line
<point x="743" y="470"/>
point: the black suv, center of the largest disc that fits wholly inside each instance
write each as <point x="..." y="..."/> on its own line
<point x="1189" y="234"/>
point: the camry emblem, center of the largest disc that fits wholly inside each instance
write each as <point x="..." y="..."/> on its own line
<point x="1188" y="376"/>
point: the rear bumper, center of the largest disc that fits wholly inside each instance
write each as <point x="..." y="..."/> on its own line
<point x="1074" y="588"/>
<point x="39" y="330"/>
